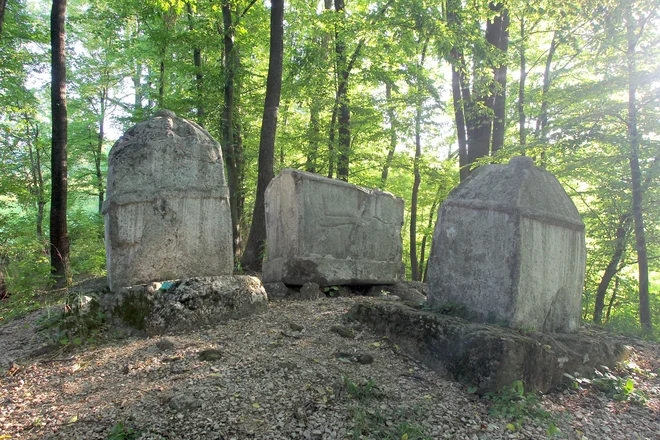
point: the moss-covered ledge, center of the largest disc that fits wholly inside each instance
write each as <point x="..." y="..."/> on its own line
<point x="488" y="356"/>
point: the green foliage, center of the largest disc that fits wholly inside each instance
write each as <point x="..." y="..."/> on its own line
<point x="517" y="406"/>
<point x="614" y="386"/>
<point x="374" y="423"/>
<point x="123" y="432"/>
<point x="331" y="291"/>
<point x="361" y="391"/>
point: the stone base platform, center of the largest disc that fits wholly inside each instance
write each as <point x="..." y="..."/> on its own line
<point x="488" y="356"/>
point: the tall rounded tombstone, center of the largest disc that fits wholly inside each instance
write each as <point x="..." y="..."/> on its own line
<point x="509" y="245"/>
<point x="167" y="209"/>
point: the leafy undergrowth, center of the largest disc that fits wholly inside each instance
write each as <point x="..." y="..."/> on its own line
<point x="371" y="421"/>
<point x="517" y="407"/>
<point x="618" y="385"/>
<point x="20" y="304"/>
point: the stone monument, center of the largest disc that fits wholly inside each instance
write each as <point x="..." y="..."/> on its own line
<point x="330" y="232"/>
<point x="167" y="209"/>
<point x="509" y="245"/>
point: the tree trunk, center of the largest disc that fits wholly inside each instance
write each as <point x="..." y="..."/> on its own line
<point x="199" y="75"/>
<point x="314" y="133"/>
<point x="253" y="255"/>
<point x="393" y="137"/>
<point x="161" y="80"/>
<point x="232" y="160"/>
<point x="636" y="175"/>
<point x="457" y="99"/>
<point x="610" y="305"/>
<point x="521" y="89"/>
<point x="499" y="73"/>
<point x="542" y="121"/>
<point x="315" y="107"/>
<point x="344" y="117"/>
<point x="59" y="237"/>
<point x="422" y="253"/>
<point x="3" y="4"/>
<point x="98" y="153"/>
<point x="136" y="77"/>
<point x="414" y="268"/>
<point x="458" y="87"/>
<point x="37" y="177"/>
<point x="619" y="247"/>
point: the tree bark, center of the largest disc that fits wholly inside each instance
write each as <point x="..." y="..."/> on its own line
<point x="459" y="116"/>
<point x="414" y="267"/>
<point x="98" y="153"/>
<point x="458" y="87"/>
<point x="37" y="175"/>
<point x="230" y="152"/>
<point x="253" y="255"/>
<point x="422" y="253"/>
<point x="59" y="237"/>
<point x="3" y="4"/>
<point x="314" y="133"/>
<point x="344" y="116"/>
<point x="635" y="171"/>
<point x="393" y="136"/>
<point x="622" y="231"/>
<point x="542" y="121"/>
<point x="521" y="89"/>
<point x="499" y="72"/>
<point x="199" y="75"/>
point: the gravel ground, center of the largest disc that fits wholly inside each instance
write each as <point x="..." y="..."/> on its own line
<point x="290" y="373"/>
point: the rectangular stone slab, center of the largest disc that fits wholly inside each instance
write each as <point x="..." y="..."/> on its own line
<point x="331" y="232"/>
<point x="488" y="356"/>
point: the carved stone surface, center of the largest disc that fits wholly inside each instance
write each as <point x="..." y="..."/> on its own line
<point x="167" y="209"/>
<point x="331" y="232"/>
<point x="509" y="245"/>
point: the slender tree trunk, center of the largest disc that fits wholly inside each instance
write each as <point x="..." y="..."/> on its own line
<point x="635" y="171"/>
<point x="414" y="267"/>
<point x="619" y="247"/>
<point x="542" y="121"/>
<point x="314" y="134"/>
<point x="37" y="177"/>
<point x="136" y="77"/>
<point x="3" y="4"/>
<point x="344" y="119"/>
<point x="459" y="88"/>
<point x="98" y="153"/>
<point x="199" y="75"/>
<point x="228" y="137"/>
<point x="500" y="71"/>
<point x="422" y="253"/>
<point x="59" y="237"/>
<point x="331" y="139"/>
<point x="393" y="137"/>
<point x="521" y="89"/>
<point x="253" y="255"/>
<point x="610" y="305"/>
<point x="161" y="80"/>
<point x="463" y="160"/>
<point x="315" y="107"/>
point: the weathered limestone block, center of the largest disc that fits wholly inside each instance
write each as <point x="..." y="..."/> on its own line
<point x="509" y="245"/>
<point x="181" y="305"/>
<point x="331" y="232"/>
<point x="167" y="209"/>
<point x="488" y="356"/>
